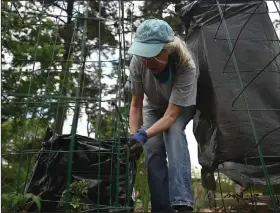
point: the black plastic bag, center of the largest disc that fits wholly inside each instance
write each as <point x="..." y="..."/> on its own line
<point x="99" y="163"/>
<point x="221" y="125"/>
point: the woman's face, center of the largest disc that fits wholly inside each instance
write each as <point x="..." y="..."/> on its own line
<point x="156" y="64"/>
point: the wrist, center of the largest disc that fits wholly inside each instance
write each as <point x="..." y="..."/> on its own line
<point x="142" y="135"/>
<point x="160" y="126"/>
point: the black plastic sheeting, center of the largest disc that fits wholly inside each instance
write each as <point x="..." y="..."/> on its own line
<point x="222" y="126"/>
<point x="94" y="161"/>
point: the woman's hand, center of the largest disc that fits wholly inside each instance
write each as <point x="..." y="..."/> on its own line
<point x="141" y="136"/>
<point x="136" y="142"/>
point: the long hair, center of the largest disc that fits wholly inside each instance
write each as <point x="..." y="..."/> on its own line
<point x="179" y="48"/>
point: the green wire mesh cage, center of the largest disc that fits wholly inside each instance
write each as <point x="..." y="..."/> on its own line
<point x="60" y="79"/>
<point x="237" y="125"/>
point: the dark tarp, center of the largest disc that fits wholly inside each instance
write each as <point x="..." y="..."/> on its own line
<point x="93" y="160"/>
<point x="222" y="126"/>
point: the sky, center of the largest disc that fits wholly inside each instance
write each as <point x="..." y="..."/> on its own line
<point x="192" y="144"/>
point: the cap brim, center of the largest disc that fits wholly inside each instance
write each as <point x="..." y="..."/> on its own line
<point x="144" y="49"/>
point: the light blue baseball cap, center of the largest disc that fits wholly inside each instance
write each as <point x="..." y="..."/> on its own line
<point x="150" y="37"/>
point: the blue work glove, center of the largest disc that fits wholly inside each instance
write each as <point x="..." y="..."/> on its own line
<point x="140" y="136"/>
<point x="136" y="142"/>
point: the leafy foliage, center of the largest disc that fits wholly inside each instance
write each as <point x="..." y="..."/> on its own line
<point x="141" y="183"/>
<point x="39" y="78"/>
<point x="78" y="196"/>
<point x="15" y="202"/>
<point x="16" y="165"/>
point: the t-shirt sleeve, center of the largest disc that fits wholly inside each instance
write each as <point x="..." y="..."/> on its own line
<point x="184" y="87"/>
<point x="135" y="77"/>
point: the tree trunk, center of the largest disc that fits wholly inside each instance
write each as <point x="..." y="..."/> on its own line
<point x="62" y="105"/>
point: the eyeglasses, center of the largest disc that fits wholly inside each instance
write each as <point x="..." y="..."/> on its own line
<point x="152" y="59"/>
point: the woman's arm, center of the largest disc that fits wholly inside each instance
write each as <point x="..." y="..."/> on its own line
<point x="135" y="114"/>
<point x="171" y="114"/>
<point x="182" y="95"/>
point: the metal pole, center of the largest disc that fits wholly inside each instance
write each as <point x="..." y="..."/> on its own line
<point x="76" y="111"/>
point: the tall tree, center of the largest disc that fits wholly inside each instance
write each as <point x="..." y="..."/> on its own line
<point x="41" y="60"/>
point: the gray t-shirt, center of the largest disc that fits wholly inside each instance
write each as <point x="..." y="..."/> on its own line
<point x="181" y="90"/>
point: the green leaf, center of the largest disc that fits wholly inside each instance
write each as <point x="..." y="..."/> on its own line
<point x="37" y="200"/>
<point x="28" y="196"/>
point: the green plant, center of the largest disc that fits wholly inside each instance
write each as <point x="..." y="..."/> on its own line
<point x="141" y="183"/>
<point x="200" y="197"/>
<point x="198" y="205"/>
<point x="14" y="202"/>
<point x="78" y="196"/>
